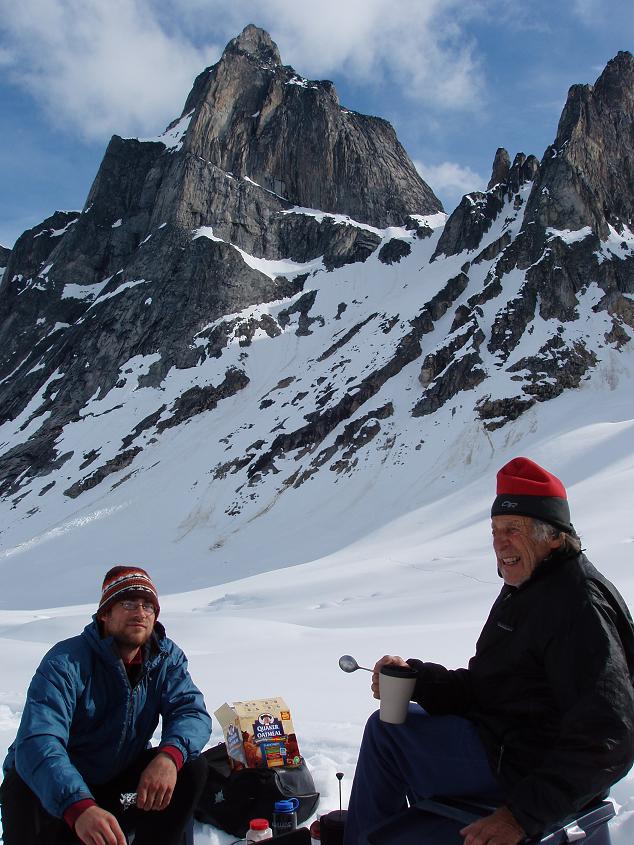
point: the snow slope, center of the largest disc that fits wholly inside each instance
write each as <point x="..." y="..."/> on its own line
<point x="419" y="585"/>
<point x="265" y="586"/>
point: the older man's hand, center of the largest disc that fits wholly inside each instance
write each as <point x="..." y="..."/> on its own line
<point x="500" y="828"/>
<point x="156" y="784"/>
<point x="387" y="659"/>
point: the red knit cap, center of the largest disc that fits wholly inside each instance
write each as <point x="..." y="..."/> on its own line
<point x="526" y="489"/>
<point x="121" y="580"/>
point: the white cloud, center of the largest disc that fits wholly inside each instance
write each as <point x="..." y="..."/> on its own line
<point x="126" y="66"/>
<point x="418" y="44"/>
<point x="451" y="178"/>
<point x="101" y="66"/>
<point x="587" y="10"/>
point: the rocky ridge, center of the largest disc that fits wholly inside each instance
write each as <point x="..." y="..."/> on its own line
<point x="277" y="254"/>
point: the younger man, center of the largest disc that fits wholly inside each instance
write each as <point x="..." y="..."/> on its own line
<point x="91" y="710"/>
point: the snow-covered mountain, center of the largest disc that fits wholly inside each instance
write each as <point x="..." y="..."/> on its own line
<point x="263" y="324"/>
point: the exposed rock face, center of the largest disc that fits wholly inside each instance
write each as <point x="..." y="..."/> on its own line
<point x="476" y="212"/>
<point x="254" y="117"/>
<point x="393" y="251"/>
<point x="565" y="224"/>
<point x="471" y="220"/>
<point x="586" y="176"/>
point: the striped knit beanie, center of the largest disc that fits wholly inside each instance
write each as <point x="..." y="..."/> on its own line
<point x="121" y="580"/>
<point x="526" y="489"/>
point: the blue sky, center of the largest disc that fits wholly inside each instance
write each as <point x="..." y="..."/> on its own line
<point x="457" y="78"/>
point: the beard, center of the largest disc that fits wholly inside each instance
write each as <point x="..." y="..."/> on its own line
<point x="132" y="637"/>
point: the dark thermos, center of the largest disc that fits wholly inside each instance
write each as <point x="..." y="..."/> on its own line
<point x="332" y="826"/>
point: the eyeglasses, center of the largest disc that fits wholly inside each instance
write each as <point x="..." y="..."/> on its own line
<point x="146" y="606"/>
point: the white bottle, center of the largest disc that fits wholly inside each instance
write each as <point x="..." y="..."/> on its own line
<point x="259" y="830"/>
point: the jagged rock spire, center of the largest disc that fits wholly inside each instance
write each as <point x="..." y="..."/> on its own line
<point x="501" y="167"/>
<point x="587" y="174"/>
<point x="254" y="117"/>
<point x="475" y="213"/>
<point x="257" y="43"/>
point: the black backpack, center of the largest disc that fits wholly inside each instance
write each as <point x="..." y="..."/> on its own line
<point x="230" y="799"/>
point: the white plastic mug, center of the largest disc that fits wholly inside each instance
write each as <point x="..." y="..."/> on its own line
<point x="396" y="685"/>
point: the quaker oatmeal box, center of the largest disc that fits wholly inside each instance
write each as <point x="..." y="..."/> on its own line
<point x="259" y="734"/>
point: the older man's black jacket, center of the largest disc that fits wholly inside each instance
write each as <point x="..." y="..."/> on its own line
<point x="549" y="689"/>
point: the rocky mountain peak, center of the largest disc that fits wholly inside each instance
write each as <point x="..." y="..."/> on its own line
<point x="613" y="92"/>
<point x="587" y="173"/>
<point x="179" y="231"/>
<point x="251" y="116"/>
<point x="501" y="168"/>
<point x="255" y="42"/>
<point x="615" y="86"/>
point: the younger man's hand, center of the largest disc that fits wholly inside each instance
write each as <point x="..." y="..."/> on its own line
<point x="96" y="826"/>
<point x="156" y="784"/>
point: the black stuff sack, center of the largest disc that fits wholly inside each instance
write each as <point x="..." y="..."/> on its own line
<point x="230" y="799"/>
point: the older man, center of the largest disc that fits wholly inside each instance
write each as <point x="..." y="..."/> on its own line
<point x="542" y="721"/>
<point x="90" y="713"/>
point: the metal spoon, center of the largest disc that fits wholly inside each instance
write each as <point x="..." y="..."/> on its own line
<point x="349" y="664"/>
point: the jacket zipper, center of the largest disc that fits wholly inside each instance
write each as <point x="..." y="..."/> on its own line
<point x="129" y="713"/>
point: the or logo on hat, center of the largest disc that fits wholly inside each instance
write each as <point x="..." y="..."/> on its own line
<point x="507" y="504"/>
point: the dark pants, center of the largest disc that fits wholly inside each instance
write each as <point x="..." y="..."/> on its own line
<point x="425" y="756"/>
<point x="26" y="822"/>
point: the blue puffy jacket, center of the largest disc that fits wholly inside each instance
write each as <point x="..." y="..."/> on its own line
<point x="84" y="723"/>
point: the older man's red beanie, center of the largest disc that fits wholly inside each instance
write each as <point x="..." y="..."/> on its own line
<point x="124" y="581"/>
<point x="526" y="489"/>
